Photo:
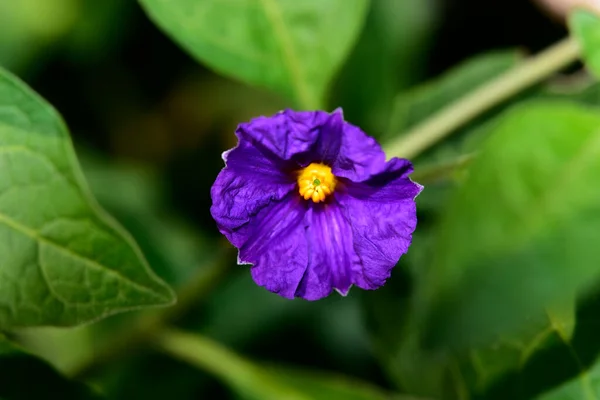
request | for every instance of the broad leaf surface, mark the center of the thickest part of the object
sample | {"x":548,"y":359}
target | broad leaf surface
{"x":507,"y":282}
{"x":520,"y":232}
{"x":63,"y":261}
{"x":292,"y":47}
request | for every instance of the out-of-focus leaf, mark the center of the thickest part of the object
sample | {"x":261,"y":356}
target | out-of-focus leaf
{"x":519,"y":233}
{"x":396,"y":339}
{"x":24,"y":377}
{"x":61,"y":347}
{"x":585,"y":26}
{"x":504,"y":363}
{"x":64,"y":261}
{"x":416,"y":105}
{"x":322,"y":385}
{"x":584,"y":386}
{"x":292,"y":47}
{"x":29,"y":27}
{"x":510,"y":367}
{"x":514,"y":248}
{"x":252,"y":381}
{"x":387,"y":58}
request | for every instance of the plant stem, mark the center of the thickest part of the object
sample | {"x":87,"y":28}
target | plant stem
{"x":439,"y":172}
{"x":133,"y":337}
{"x":446,"y":121}
{"x":238,"y":373}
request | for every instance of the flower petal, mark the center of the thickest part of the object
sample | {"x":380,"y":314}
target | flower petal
{"x":382,"y":213}
{"x":331,"y":257}
{"x":329,"y":141}
{"x":248,"y":183}
{"x":285,"y":134}
{"x":360,"y":156}
{"x":275,"y":243}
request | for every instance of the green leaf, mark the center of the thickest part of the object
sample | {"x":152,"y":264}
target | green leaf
{"x":63,"y":261}
{"x":322,"y":385}
{"x":518,"y":235}
{"x":550,"y":350}
{"x":585,"y":26}
{"x":586,"y":385}
{"x":26,"y":377}
{"x":510,"y":367}
{"x":505,"y":314}
{"x":292,"y":47}
{"x":415,"y":105}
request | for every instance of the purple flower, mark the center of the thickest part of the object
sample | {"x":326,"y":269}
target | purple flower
{"x":310,"y":201}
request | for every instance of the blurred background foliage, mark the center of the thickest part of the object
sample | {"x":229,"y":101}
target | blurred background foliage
{"x":150,"y":122}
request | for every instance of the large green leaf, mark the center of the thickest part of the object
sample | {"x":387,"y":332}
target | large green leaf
{"x":515,"y":247}
{"x":292,"y":47}
{"x":520,"y":233}
{"x":63,"y":261}
{"x":511,"y":367}
{"x":24,"y":377}
{"x":585,"y":26}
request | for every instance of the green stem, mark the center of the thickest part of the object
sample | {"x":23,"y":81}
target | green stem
{"x":133,"y":337}
{"x":498,"y":90}
{"x":438,"y":172}
{"x":208,"y":355}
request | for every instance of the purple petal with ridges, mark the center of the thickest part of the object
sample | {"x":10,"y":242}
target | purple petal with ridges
{"x":328,"y":144}
{"x":331,"y":257}
{"x":360,"y":156}
{"x":249,"y":182}
{"x":382,"y":213}
{"x":285,"y":134}
{"x":276,"y":246}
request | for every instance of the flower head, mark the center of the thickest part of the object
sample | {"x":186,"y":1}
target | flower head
{"x":310,"y":201}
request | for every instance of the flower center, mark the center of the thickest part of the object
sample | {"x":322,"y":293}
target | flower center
{"x":316,"y":182}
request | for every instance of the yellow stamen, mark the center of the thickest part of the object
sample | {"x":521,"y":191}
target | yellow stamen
{"x":316,"y":182}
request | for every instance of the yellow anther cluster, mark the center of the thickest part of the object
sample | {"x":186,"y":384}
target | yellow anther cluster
{"x":316,"y":182}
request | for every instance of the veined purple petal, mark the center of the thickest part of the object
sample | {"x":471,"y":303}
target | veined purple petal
{"x":360,"y":156}
{"x":275,"y":243}
{"x":285,"y":134}
{"x":382,"y":213}
{"x":249,"y":182}
{"x":329,"y":141}
{"x":331,"y":257}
